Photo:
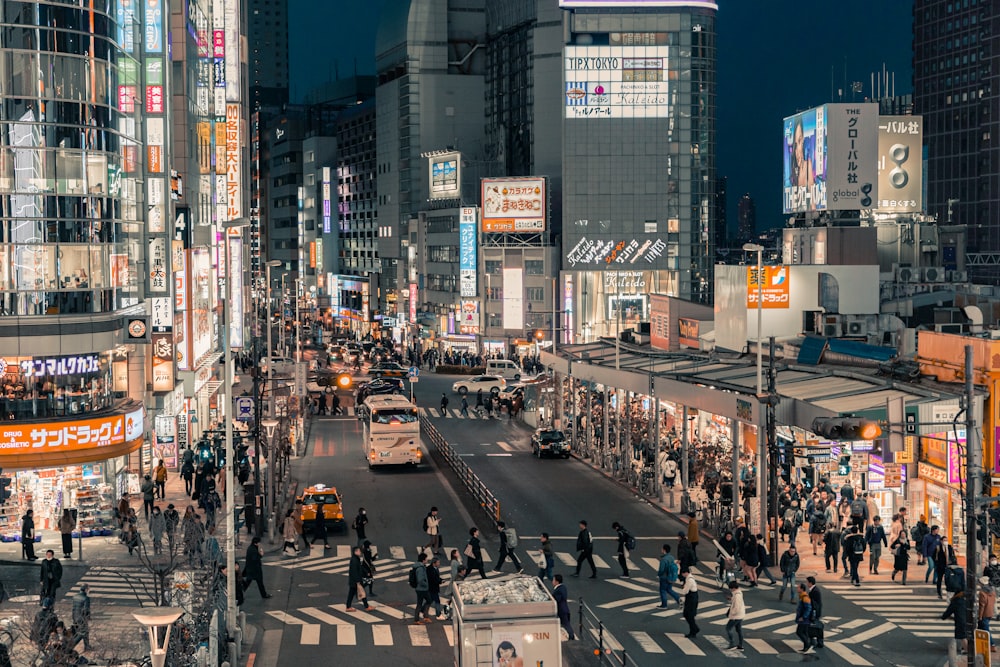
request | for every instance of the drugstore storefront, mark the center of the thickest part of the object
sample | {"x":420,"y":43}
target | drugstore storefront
{"x":77,"y":464}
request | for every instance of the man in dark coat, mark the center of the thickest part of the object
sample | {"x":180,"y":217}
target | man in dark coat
{"x":355,"y":575}
{"x":51,"y":575}
{"x":562,"y":605}
{"x":816,"y":599}
{"x":28,"y":535}
{"x":254,"y":568}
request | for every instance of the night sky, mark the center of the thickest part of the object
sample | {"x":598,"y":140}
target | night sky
{"x":775,"y":58}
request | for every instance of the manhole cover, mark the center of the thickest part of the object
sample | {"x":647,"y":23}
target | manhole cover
{"x":318,"y":595}
{"x":308,"y":585}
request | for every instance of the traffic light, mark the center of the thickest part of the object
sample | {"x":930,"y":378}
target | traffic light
{"x":846,"y":428}
{"x":539,"y":334}
{"x":344,"y":380}
{"x":844,"y":465}
{"x":982,"y":531}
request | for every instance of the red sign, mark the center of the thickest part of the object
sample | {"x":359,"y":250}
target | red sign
{"x":154,"y":99}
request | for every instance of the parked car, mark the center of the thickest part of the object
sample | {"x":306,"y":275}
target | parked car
{"x":376,"y":387}
{"x":387,"y":369}
{"x":490,"y":383}
{"x":550,"y":442}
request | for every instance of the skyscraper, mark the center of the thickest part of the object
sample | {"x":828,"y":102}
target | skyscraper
{"x":268,"y":37}
{"x":956,"y":57}
{"x":746,"y":216}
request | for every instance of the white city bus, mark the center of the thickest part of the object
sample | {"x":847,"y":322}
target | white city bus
{"x":392,"y":431}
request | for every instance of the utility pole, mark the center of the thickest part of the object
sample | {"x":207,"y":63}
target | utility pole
{"x":772,"y":451}
{"x":974,"y":467}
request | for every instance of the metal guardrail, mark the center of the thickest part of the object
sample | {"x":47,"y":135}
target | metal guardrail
{"x":489,"y":502}
{"x":607,"y":649}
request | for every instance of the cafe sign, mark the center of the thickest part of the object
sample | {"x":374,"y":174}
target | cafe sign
{"x":49,"y":366}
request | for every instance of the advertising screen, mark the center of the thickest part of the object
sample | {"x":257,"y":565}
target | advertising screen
{"x":617,"y":81}
{"x":235,"y":282}
{"x":445,"y":174}
{"x":202,"y":285}
{"x":830,"y":158}
{"x":513,"y":298}
{"x":514,"y":205}
{"x":900,"y":164}
{"x":468,"y":235}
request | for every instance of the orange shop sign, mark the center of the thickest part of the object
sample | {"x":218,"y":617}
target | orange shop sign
{"x":66,"y":436}
{"x":774,"y":291}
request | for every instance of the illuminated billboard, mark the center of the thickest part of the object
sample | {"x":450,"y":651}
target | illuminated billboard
{"x":774,"y":290}
{"x":583,"y":4}
{"x":468,"y":237}
{"x":830,"y":158}
{"x":625,"y":81}
{"x":445,"y":176}
{"x":234,"y":167}
{"x":514,"y":205}
{"x":235,"y":282}
{"x":201,"y":287}
{"x":513,"y":298}
{"x":900,"y":164}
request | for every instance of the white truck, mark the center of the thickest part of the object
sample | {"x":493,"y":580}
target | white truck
{"x":507,"y":621}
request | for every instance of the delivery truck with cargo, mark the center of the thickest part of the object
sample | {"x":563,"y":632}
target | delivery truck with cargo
{"x":505,"y":621}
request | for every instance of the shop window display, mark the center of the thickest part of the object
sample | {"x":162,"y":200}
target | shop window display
{"x":38,"y":388}
{"x":49,"y":491}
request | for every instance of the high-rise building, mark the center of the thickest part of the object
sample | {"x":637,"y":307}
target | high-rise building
{"x":956,"y":57}
{"x":268,"y":37}
{"x":721,"y":216}
{"x":638,"y":174}
{"x":746,"y":216}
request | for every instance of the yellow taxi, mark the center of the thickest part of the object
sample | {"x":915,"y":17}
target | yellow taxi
{"x":333,"y":510}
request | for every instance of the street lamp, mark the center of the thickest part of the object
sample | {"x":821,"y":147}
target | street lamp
{"x":227,"y":385}
{"x":270,"y":427}
{"x":157,"y":621}
{"x":759,"y":249}
{"x":270,"y":352}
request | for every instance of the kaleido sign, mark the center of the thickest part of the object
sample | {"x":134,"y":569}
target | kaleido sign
{"x":590,"y":252}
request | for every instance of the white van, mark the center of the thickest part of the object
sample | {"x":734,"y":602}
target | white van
{"x":505,"y":368}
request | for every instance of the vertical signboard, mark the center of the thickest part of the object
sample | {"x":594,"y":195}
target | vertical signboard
{"x":165,"y":445}
{"x":182,"y":341}
{"x":513,"y":298}
{"x":327,"y":206}
{"x":468,"y":235}
{"x":157,"y":261}
{"x":900,"y":164}
{"x":413,"y":303}
{"x":235,"y":282}
{"x":162,"y":324}
{"x":152,"y":25}
{"x":232,"y":16}
{"x":234,"y":168}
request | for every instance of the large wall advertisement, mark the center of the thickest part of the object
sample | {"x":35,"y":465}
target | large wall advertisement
{"x":468,"y":237}
{"x":234,"y":167}
{"x":626,"y":80}
{"x":235,"y":282}
{"x":900,"y":164}
{"x":446,"y":176}
{"x":830,"y":158}
{"x":200,"y":278}
{"x":514,"y":205}
{"x":513,"y":298}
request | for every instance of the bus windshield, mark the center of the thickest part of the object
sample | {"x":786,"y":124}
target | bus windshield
{"x":392,"y":416}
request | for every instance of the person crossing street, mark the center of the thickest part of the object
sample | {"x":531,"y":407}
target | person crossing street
{"x":690,"y":593}
{"x":789,"y":565}
{"x":876,"y":539}
{"x":855,"y":553}
{"x":585,"y":551}
{"x":444,"y":404}
{"x":737,"y":612}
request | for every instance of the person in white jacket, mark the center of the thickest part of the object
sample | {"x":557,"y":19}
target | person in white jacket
{"x":737,"y":612}
{"x":690,"y":593}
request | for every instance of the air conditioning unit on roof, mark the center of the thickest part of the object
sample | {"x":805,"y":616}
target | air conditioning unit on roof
{"x":933,"y":274}
{"x":958,"y":276}
{"x":906,"y":274}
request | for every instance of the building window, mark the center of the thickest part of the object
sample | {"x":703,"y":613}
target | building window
{"x":494,"y":293}
{"x":494,"y":266}
{"x":536,"y":294}
{"x":534,"y":267}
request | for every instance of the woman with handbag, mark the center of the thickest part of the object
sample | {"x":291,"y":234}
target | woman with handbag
{"x":474,"y":554}
{"x":368,"y":568}
{"x":354,"y":577}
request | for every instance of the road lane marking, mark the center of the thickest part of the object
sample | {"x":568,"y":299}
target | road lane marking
{"x":449,"y":632}
{"x":625,"y":583}
{"x":499,"y":454}
{"x":505,"y":446}
{"x":609,"y":641}
{"x":761,"y":646}
{"x":626,"y":601}
{"x":722,"y":643}
{"x":646,"y":643}
{"x":873,"y":632}
{"x":850,"y":625}
{"x":397,"y":552}
{"x":847,"y":654}
{"x":320,"y":615}
{"x":687,"y":646}
{"x":755,"y":614}
{"x":310,"y":634}
{"x":343,"y":551}
{"x":347,"y":635}
{"x":418,"y":635}
{"x":287,"y":619}
{"x":382,"y":635}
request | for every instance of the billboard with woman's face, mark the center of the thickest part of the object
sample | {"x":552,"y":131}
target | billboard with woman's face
{"x":804,"y":160}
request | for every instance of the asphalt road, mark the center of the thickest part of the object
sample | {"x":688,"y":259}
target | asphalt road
{"x":873,"y":625}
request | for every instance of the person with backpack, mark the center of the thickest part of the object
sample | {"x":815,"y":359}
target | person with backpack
{"x":927,"y":548}
{"x":585,"y":550}
{"x":667,"y":573}
{"x":508,"y":541}
{"x":419,"y":583}
{"x":943,"y":556}
{"x":875,"y":538}
{"x":859,"y":512}
{"x":956,"y":610}
{"x":831,"y":548}
{"x":919,"y":531}
{"x":793,"y":521}
{"x":803,"y":617}
{"x":847,"y":492}
{"x":763,"y":560}
{"x":855,"y":553}
{"x":817,"y":525}
{"x":432,"y":526}
{"x":360,"y":521}
{"x":624,"y":539}
{"x":789,"y":565}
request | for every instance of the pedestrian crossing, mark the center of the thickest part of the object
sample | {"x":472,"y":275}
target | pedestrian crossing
{"x":379,"y":625}
{"x":393,"y":565}
{"x":125,"y":585}
{"x":914,"y":608}
{"x":350,"y":412}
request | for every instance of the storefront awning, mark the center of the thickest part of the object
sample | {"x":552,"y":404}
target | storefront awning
{"x":34,"y":460}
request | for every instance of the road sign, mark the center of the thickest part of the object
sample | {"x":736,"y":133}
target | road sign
{"x":983,"y":647}
{"x":414,"y":372}
{"x":244,"y":408}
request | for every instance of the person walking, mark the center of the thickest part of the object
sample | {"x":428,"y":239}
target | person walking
{"x":368,"y":568}
{"x":254,"y":568}
{"x":917,"y":534}
{"x":944,"y":555}
{"x":432,"y":526}
{"x":693,"y":533}
{"x":831,"y":548}
{"x":927,"y":548}
{"x":355,"y":577}
{"x":685,"y":551}
{"x":28,"y":536}
{"x":289,"y":534}
{"x":193,"y":534}
{"x":300,"y":526}
{"x":81,"y":617}
{"x":474,"y":554}
{"x":750,"y":558}
{"x":667,"y":572}
{"x":763,"y":560}
{"x":585,"y":550}
{"x":50,"y":576}
{"x":900,"y":557}
{"x":465,"y":407}
{"x":803,"y":618}
{"x":434,"y":586}
{"x":956,"y":610}
{"x":160,"y":479}
{"x":319,"y":525}
{"x":187,"y":474}
{"x":419,"y":582}
{"x":444,"y":404}
{"x":548,"y":558}
{"x":855,"y":552}
{"x":508,"y":540}
{"x":67,"y":524}
{"x":360,"y":522}
{"x":157,"y":529}
{"x":789,"y":565}
{"x":816,"y":599}
{"x":737,"y":612}
{"x":622,"y":534}
{"x":875,"y":538}
{"x":690,"y":592}
{"x":148,"y":496}
{"x":562,"y":605}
